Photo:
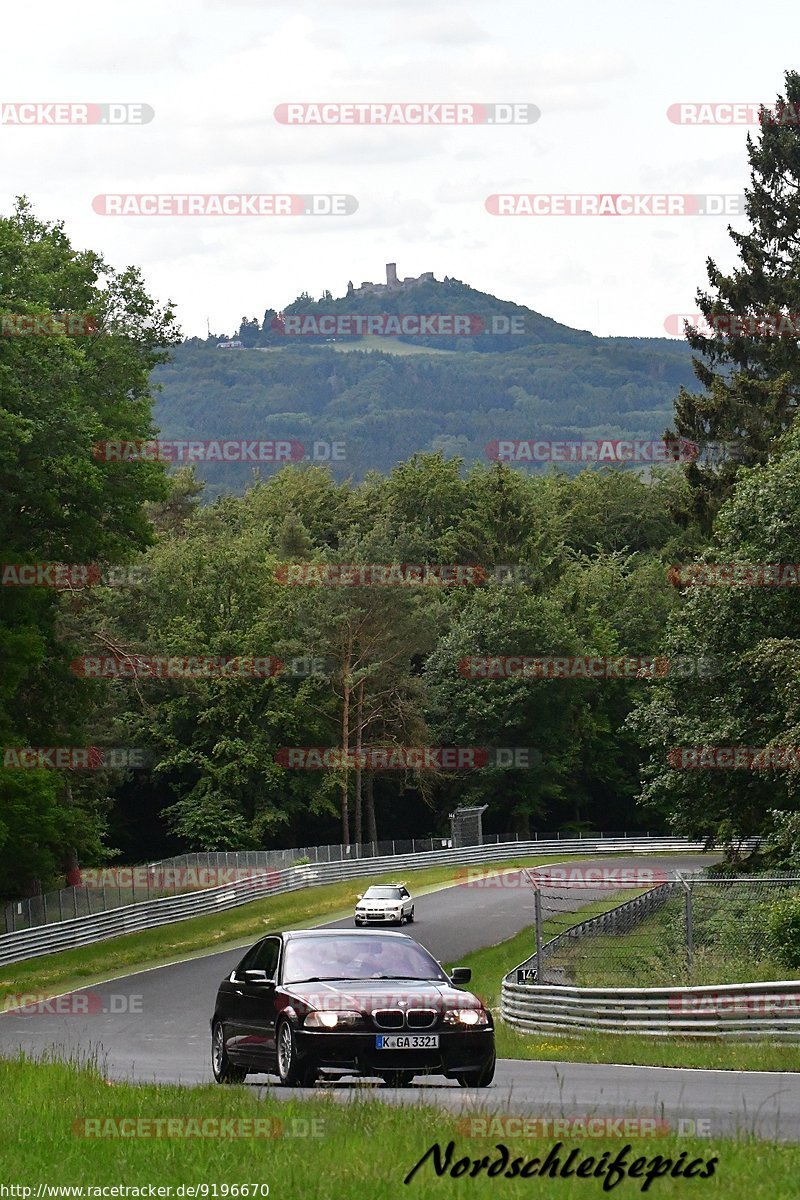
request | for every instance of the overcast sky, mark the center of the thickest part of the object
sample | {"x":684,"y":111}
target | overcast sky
{"x":603,"y":76}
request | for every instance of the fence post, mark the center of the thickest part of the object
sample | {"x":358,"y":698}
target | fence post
{"x":537,"y":908}
{"x":689,"y":933}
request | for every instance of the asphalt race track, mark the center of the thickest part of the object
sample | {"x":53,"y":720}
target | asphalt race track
{"x":154,"y":1026}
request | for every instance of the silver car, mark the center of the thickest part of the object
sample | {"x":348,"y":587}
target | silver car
{"x":385,"y":904}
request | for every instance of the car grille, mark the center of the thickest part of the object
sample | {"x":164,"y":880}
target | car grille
{"x":421,"y":1018}
{"x":388,"y":1018}
{"x":415,"y":1018}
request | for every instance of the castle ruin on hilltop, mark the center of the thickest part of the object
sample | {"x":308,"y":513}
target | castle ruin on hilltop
{"x":393,"y":284}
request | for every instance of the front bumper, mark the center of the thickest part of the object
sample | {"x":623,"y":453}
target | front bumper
{"x":378,"y":918}
{"x":459,"y":1050}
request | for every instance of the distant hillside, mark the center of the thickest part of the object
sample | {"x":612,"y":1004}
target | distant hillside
{"x":549,"y":382}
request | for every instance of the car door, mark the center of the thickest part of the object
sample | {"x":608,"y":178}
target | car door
{"x":232,"y":1011}
{"x":257,"y":1005}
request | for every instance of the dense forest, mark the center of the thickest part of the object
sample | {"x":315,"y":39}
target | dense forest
{"x":387,"y":406}
{"x":218,"y":637}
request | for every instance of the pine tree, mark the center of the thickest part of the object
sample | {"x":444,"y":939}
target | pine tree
{"x":749,"y":367}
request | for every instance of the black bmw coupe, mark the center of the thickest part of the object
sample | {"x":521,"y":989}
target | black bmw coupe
{"x":335,"y":1002}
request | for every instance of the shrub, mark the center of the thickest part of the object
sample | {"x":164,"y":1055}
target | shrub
{"x":783,"y":930}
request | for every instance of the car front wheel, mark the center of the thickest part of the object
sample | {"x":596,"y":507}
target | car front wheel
{"x":222,"y":1067}
{"x":480,"y":1078}
{"x":293,"y":1071}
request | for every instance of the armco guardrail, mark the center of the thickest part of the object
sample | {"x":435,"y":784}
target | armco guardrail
{"x":66,"y":935}
{"x":743,"y":1012}
{"x":185,"y":872}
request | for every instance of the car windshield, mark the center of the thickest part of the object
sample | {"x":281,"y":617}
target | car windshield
{"x":382,"y":893}
{"x":357,"y":956}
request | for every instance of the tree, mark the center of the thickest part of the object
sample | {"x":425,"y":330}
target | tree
{"x":748,"y":637}
{"x":750,"y":372}
{"x":60,"y":395}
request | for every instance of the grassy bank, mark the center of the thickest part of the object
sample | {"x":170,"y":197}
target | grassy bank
{"x":729,"y":947}
{"x":322,"y":1150}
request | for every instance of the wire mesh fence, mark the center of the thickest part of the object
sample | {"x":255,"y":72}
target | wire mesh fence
{"x":110,"y":887}
{"x":105,"y":888}
{"x":656,"y":929}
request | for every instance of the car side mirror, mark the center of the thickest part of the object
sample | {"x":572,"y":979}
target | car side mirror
{"x":360,"y":896}
{"x":260,"y":978}
{"x":461,"y":974}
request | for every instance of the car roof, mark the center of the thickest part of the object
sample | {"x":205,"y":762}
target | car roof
{"x":332,"y":933}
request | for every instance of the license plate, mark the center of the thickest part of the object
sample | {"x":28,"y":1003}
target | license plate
{"x":407,"y":1041}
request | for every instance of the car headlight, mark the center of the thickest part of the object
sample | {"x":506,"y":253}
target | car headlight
{"x":466,"y":1016}
{"x":332,"y":1020}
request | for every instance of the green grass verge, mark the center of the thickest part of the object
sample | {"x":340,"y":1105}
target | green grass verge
{"x":490,"y":965}
{"x":361,"y":1151}
{"x":729,"y":947}
{"x":218,"y":931}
